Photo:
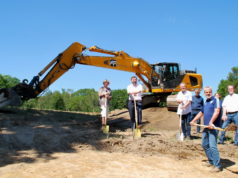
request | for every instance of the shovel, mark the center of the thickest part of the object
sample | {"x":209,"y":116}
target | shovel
{"x":106,"y":127}
{"x":180,"y":135}
{"x":216,"y":128}
{"x":136,"y":131}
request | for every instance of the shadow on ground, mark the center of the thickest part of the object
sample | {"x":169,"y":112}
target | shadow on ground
{"x":46,"y":132}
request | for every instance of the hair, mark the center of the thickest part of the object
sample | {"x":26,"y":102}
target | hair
{"x":105,"y":81}
{"x":230,"y":86}
{"x":207,"y":87}
{"x":182,"y":84}
{"x":197,"y":89}
{"x":133,"y":77}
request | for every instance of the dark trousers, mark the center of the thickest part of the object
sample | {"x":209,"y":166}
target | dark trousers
{"x":132,"y":111}
{"x":186,"y":127}
{"x":194,"y":113}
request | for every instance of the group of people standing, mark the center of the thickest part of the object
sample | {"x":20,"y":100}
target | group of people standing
{"x":134,"y":91}
{"x":214,"y":112}
{"x":192,"y":109}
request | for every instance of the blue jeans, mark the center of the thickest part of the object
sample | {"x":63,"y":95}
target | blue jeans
{"x":186,"y":127}
{"x":132,"y":112}
{"x":209,"y":144}
{"x":230,"y":118}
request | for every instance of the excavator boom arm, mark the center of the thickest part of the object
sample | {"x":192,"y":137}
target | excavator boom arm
{"x":74,"y":54}
{"x":118,"y":60}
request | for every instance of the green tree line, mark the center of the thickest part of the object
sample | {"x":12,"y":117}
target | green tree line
{"x":85,"y":100}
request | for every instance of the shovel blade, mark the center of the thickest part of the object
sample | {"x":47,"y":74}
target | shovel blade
{"x":137,"y":133}
{"x":180,"y":136}
{"x":105,"y":129}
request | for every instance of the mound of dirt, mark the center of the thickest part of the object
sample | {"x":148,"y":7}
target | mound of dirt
{"x":65,"y":144}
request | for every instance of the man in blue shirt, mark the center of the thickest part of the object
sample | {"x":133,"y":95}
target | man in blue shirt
{"x":210,"y":112}
{"x":197,"y":105}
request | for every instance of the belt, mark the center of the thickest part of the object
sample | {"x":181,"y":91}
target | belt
{"x":232,"y":112}
{"x":135,"y":100}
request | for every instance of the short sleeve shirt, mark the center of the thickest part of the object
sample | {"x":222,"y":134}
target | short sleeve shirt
{"x":133,"y":89}
{"x":197,"y":103}
{"x":185,"y":97}
{"x":230,"y":102}
{"x":208,"y":110}
{"x":102,"y":100}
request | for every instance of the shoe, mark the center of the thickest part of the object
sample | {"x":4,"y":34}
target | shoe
{"x":139,"y":126}
{"x":188,"y":138}
{"x":216,"y":169}
{"x":235,"y":144}
{"x":220,"y":143}
{"x":207,"y":164}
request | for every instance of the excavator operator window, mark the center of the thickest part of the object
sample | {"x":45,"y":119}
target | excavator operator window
{"x":171,"y":72}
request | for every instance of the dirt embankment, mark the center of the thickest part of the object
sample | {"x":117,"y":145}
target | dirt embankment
{"x":61,"y":144}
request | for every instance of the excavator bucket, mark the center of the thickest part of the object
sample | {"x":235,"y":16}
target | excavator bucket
{"x":172,"y":104}
{"x":8,"y":97}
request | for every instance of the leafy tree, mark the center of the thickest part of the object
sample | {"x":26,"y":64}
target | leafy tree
{"x":88,"y":100}
{"x":232,"y":79}
{"x":55,"y":101}
{"x":119,"y":98}
{"x":32,"y":103}
{"x":6,"y":81}
{"x":85,"y":100}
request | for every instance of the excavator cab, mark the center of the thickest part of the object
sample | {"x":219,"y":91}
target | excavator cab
{"x":169,"y":75}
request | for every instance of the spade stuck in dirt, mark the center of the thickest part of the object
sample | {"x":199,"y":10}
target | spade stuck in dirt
{"x":105,"y":129}
{"x":180,"y":136}
{"x":136,"y":130}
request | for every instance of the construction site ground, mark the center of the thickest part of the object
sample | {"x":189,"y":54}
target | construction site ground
{"x":36,"y":143}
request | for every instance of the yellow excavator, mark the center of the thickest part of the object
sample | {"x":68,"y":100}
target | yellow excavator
{"x":160,"y":80}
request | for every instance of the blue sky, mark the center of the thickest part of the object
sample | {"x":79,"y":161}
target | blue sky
{"x":197,"y":34}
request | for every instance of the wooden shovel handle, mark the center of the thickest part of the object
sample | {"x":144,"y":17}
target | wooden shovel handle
{"x":206,"y":126}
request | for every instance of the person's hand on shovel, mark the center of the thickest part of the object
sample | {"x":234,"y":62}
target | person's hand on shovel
{"x":224,"y":117}
{"x":192,"y":123}
{"x":211,"y":125}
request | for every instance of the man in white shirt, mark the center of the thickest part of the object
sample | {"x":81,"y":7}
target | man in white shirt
{"x":184,"y":98}
{"x":134,"y":90}
{"x":230,"y":113}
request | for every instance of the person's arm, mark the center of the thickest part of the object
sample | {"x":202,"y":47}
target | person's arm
{"x":224,"y":116}
{"x":202,"y":102}
{"x":109,"y":95}
{"x":128,"y":90}
{"x":178,"y":98}
{"x":214,"y":117}
{"x":134,"y":93}
{"x":186,"y":105}
{"x":188,"y":102}
{"x":100,"y":93}
{"x":197,"y":117}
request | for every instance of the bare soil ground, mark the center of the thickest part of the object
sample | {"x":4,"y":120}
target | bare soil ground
{"x":69,"y":145}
